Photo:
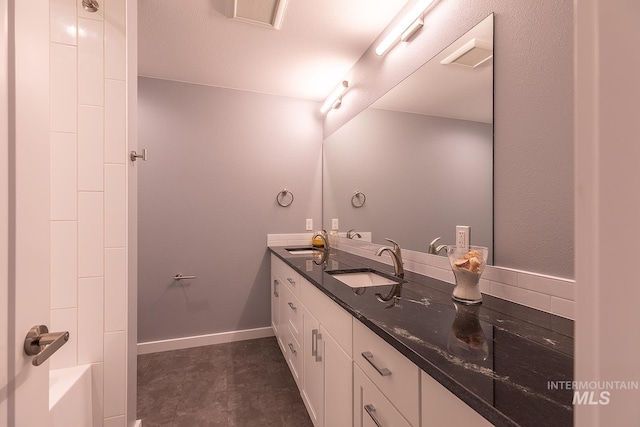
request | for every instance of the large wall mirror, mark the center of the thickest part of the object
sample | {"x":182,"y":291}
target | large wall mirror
{"x":422,"y":154}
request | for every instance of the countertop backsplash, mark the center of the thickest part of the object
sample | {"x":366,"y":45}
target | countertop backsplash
{"x":550,"y":294}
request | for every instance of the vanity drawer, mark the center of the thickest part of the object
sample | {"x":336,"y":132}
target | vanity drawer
{"x":293,"y":312}
{"x":370,"y":407}
{"x":333,"y":317}
{"x":293,"y":356}
{"x":288,"y":275}
{"x":390,"y":371}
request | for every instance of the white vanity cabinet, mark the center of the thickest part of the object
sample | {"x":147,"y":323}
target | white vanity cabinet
{"x":391,"y":373}
{"x":440,"y":407}
{"x":327,"y":390}
{"x":316,"y":337}
{"x":276,"y":323}
{"x":371,"y":407}
{"x":346,"y":373}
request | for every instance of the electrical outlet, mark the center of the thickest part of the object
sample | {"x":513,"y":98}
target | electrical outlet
{"x":463,"y":233}
{"x":334,"y":224}
{"x":309,"y":225}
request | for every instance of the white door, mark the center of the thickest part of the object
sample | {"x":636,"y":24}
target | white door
{"x":24,"y":198}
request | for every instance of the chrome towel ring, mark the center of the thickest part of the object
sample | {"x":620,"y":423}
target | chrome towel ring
{"x":358,"y":199}
{"x":284,"y":198}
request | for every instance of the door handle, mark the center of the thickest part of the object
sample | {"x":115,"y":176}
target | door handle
{"x":135,"y":156}
{"x":41,"y":343}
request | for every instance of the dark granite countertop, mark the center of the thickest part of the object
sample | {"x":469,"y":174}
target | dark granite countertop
{"x":498,"y":357}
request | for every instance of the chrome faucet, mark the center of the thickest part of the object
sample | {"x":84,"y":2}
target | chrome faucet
{"x":322,"y":235}
{"x":396,"y":257}
{"x":352,"y":233}
{"x":435,"y":250}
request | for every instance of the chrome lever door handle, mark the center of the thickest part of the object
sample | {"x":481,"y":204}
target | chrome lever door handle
{"x":41,"y":343}
{"x":135,"y":156}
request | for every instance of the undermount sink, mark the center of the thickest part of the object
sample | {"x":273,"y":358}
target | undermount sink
{"x":363,"y":277}
{"x":302,"y":251}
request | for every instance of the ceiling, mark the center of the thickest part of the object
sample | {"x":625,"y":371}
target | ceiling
{"x":319,"y":41}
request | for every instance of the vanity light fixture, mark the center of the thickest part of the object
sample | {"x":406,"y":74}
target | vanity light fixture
{"x":407,"y":26}
{"x":335,"y":99}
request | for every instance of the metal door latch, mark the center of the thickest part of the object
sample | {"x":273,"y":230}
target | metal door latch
{"x":41,"y":343}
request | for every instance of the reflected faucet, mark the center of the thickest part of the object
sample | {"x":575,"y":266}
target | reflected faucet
{"x":435,"y":250}
{"x":352,"y":234}
{"x":396,"y":257}
{"x":393,"y":296}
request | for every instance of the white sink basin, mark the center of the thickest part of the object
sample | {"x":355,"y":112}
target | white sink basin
{"x":362,"y":278}
{"x":302,"y":251}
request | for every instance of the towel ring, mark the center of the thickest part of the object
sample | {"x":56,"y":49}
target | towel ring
{"x":358,"y":199}
{"x":282,"y":196}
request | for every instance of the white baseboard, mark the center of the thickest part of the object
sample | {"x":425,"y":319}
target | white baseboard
{"x":138,"y":423}
{"x":201,"y":340}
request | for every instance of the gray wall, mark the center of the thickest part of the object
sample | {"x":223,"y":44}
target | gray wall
{"x":533,"y":118}
{"x":422,"y":176}
{"x":217,"y":159}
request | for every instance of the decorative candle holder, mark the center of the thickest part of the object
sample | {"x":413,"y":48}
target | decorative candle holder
{"x":467,"y":267}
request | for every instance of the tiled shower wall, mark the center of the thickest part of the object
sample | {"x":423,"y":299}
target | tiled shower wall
{"x":88,"y":196}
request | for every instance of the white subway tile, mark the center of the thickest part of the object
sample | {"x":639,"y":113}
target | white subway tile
{"x":115,"y":121}
{"x":563,"y":307}
{"x":115,"y":39}
{"x":114,"y":422}
{"x":442,"y":274}
{"x":90,"y":234}
{"x":65,"y":320}
{"x":63,"y":91}
{"x":63,"y":176}
{"x":90,"y":62}
{"x":440,"y":262}
{"x":485,"y":286}
{"x":62,"y":21}
{"x":97,"y":393}
{"x":114,"y":373}
{"x":115,"y":297}
{"x":90,"y":148}
{"x":115,"y":213}
{"x":502,"y":275}
{"x":64,"y":264}
{"x":546,"y":285}
{"x":97,"y":15}
{"x":90,"y":320}
{"x":521,"y":296}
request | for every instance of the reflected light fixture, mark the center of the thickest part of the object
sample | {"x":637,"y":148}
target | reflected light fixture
{"x":335,"y":99}
{"x":407,"y":27}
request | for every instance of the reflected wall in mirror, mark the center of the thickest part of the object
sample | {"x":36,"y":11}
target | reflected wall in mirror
{"x":422,"y":154}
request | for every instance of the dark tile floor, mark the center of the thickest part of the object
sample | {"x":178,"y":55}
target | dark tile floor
{"x":244,"y":384}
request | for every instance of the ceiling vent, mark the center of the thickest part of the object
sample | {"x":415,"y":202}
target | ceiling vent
{"x":266,"y":13}
{"x":471,"y":54}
